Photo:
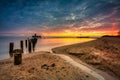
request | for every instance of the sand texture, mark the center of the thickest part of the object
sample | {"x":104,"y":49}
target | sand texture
{"x":41,"y":66}
{"x":102,"y":53}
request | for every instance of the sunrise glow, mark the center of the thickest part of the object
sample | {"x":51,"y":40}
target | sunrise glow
{"x":60,"y":18}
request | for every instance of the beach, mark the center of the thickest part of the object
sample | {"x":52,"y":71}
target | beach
{"x":68,"y":62}
{"x":42,"y":66}
{"x":59,"y":39}
{"x":102,"y":53}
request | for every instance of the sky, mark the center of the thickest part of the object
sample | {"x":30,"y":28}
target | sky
{"x":59,"y":17}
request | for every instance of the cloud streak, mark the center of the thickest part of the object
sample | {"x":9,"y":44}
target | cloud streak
{"x":44,"y":16}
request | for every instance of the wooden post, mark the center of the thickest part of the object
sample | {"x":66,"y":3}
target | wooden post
{"x":11,"y":47}
{"x":26,"y":43}
{"x":17,"y":56}
{"x":21,"y":46}
{"x":29,"y":46}
{"x":34,"y":42}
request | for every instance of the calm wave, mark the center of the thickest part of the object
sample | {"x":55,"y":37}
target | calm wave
{"x":42,"y":44}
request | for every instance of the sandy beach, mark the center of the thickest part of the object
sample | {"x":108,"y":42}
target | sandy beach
{"x":68,"y":63}
{"x":102,"y":53}
{"x":42,"y":66}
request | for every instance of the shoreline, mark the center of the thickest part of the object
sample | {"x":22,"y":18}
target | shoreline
{"x":99,"y":53}
{"x":59,"y":51}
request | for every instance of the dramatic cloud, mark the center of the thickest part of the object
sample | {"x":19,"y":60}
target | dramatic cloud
{"x":48,"y":16}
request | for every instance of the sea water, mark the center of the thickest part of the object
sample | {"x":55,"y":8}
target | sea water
{"x":42,"y":44}
{"x":4,"y":45}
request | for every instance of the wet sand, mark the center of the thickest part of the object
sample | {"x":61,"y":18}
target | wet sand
{"x":102,"y":53}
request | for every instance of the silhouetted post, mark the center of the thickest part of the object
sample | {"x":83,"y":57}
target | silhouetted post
{"x":26,"y":43}
{"x":34,"y":36}
{"x":21,"y":46}
{"x":17,"y":56}
{"x":11,"y":47}
{"x":34,"y":42}
{"x":29,"y":46}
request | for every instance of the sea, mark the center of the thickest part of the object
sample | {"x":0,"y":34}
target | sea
{"x":43,"y":44}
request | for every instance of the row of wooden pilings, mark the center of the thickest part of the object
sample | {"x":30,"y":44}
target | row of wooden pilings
{"x":17,"y":53}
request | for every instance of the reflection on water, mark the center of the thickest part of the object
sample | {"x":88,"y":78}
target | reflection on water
{"x":47,"y":44}
{"x":4,"y":45}
{"x":42,"y":44}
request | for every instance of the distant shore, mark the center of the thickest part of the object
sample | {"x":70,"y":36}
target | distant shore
{"x":102,"y":53}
